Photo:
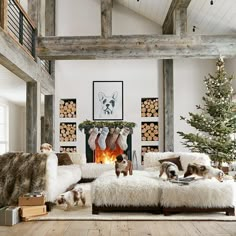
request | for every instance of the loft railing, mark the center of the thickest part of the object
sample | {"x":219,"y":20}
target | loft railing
{"x":20,"y":27}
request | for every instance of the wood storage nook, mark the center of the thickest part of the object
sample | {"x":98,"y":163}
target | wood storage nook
{"x":67,"y":132}
{"x":151,"y":148}
{"x":149,"y":131}
{"x":149,"y":107}
{"x":67,"y":108}
{"x":68,"y":149}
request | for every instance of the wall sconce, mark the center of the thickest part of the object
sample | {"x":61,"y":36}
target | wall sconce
{"x":211,"y":2}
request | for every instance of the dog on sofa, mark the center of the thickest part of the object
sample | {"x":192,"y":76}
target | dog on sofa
{"x":123,"y":165}
{"x":204,"y":171}
{"x":71,"y":198}
{"x":46,"y":148}
{"x":170,"y":169}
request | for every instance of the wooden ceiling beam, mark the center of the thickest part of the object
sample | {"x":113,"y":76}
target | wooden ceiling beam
{"x":15,"y":59}
{"x":136,"y":46}
{"x":106,"y":18}
{"x":168,"y":25}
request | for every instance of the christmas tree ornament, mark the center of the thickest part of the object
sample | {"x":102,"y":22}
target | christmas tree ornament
{"x":122,"y":139}
{"x":102,"y":138}
{"x":92,"y":138}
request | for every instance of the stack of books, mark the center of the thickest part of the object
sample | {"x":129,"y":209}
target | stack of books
{"x":31,"y":205}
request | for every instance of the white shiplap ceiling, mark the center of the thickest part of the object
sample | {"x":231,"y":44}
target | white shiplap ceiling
{"x":219,"y":18}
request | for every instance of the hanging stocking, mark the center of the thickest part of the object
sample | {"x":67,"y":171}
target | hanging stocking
{"x":122,"y":139}
{"x":102,"y":138}
{"x":92,"y":138}
{"x":113,"y":138}
{"x":109,"y":137}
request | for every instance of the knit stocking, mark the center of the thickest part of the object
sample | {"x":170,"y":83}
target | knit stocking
{"x":92,"y":138}
{"x":102,"y":138}
{"x":122,"y":139}
{"x":113,"y":138}
{"x":109,"y":137}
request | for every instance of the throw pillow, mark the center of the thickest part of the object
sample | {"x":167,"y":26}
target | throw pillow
{"x":175,"y":160}
{"x":64,"y":159}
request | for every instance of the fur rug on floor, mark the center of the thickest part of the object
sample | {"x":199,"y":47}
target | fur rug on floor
{"x":85,"y":213}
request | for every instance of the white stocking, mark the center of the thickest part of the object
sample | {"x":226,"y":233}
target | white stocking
{"x":122,"y":139}
{"x":102,"y":138}
{"x":92,"y":138}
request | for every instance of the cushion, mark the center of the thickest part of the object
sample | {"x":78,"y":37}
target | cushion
{"x":78,"y":158}
{"x":175,"y":160}
{"x":64,"y":159}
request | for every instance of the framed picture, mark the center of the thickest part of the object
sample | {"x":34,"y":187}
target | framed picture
{"x":107,"y":100}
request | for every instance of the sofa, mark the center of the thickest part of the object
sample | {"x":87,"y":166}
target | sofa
{"x":145,"y":191}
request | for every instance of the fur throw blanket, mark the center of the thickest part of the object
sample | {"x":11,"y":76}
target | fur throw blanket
{"x":21,"y":173}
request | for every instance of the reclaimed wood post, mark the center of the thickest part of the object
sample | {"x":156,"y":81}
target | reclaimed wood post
{"x":106,"y":18}
{"x":3,"y":14}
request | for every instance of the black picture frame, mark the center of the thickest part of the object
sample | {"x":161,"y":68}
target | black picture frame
{"x":107,"y":100}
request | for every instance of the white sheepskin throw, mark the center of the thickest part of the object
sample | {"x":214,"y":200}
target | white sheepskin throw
{"x":202,"y":193}
{"x":139,"y":189}
{"x":151,"y":159}
{"x":77,"y":158}
{"x":193,"y":157}
{"x":94,"y":170}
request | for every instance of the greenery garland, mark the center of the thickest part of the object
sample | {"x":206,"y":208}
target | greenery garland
{"x":87,"y":125}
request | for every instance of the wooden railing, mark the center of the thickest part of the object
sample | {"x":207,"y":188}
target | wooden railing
{"x":15,"y":21}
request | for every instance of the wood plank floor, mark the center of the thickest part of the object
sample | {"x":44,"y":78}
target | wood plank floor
{"x":121,"y":228}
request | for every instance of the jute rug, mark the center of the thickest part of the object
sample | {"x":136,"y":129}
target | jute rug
{"x":85,"y":213}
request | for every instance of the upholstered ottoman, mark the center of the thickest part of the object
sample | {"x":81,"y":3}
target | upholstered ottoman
{"x":138,"y":192}
{"x":203,"y":195}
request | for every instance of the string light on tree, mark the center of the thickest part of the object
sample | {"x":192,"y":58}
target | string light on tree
{"x":216,"y":119}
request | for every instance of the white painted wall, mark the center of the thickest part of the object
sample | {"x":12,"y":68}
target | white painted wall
{"x":188,"y":91}
{"x":17,"y":125}
{"x":74,"y":79}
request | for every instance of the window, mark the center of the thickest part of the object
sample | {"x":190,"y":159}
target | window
{"x":3,"y":128}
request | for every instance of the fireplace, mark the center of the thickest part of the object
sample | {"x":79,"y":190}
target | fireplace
{"x":107,"y":156}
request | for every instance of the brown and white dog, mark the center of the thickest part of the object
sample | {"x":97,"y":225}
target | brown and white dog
{"x":71,"y":198}
{"x":170,"y":169}
{"x":46,"y":148}
{"x":123,"y":165}
{"x":204,"y":171}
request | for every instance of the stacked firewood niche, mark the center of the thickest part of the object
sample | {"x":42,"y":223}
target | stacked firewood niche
{"x":67,"y":129}
{"x":149,"y":125}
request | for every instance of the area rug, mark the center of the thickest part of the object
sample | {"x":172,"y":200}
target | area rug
{"x":85,"y":213}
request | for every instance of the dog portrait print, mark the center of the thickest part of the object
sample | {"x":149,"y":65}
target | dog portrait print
{"x":108,"y":100}
{"x":108,"y":103}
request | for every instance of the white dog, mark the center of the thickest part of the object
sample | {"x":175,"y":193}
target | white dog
{"x":108,"y":103}
{"x":170,"y":169}
{"x":71,"y":198}
{"x":46,"y":148}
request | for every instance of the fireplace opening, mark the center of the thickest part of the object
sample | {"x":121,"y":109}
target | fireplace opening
{"x":107,"y":155}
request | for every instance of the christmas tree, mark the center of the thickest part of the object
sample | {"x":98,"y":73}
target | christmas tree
{"x":215,"y":123}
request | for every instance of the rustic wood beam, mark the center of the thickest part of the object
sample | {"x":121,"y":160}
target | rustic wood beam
{"x":49,"y":112}
{"x":18,"y":61}
{"x":106,"y":18}
{"x":32,"y":111}
{"x":3,"y":14}
{"x":136,"y":46}
{"x":34,"y":8}
{"x":180,"y":21}
{"x":168,"y":98}
{"x":50,"y":15}
{"x":168,"y":25}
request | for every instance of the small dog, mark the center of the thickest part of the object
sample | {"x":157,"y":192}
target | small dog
{"x":71,"y":198}
{"x":204,"y":171}
{"x":123,"y":165}
{"x":46,"y":148}
{"x":170,"y":169}
{"x":108,"y":103}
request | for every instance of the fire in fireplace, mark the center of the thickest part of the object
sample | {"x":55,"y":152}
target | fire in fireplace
{"x":107,"y":155}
